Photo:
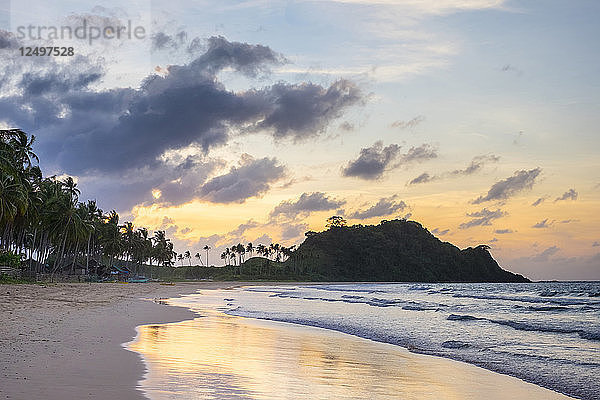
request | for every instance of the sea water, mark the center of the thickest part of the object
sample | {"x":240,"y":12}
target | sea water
{"x":544,"y":333}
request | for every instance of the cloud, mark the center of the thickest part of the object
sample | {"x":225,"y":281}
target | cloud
{"x":483,"y":217}
{"x":408,"y":124}
{"x":542,"y":224}
{"x":503,"y":231}
{"x":439,"y":232}
{"x":306,"y":204}
{"x":385,"y":206}
{"x":568,"y":221}
{"x":570,"y":194}
{"x":373,"y":161}
{"x":302,"y":111}
{"x":176,"y":182}
{"x":545,"y":254}
{"x":538,"y":202}
{"x":102,"y":134}
{"x":596,"y":244}
{"x":477,"y":164}
{"x":510,"y":186}
{"x":242,"y":228}
{"x":251,"y":178}
{"x":293,"y":231}
{"x":421,"y":153}
{"x":423,"y":178}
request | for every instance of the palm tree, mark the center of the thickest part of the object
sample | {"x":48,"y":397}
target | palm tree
{"x":250,"y":249}
{"x":199,"y":258}
{"x":42,"y":219}
{"x":188,"y":256}
{"x":180,"y":258}
{"x":207,"y":248}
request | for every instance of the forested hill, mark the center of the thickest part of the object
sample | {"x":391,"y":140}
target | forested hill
{"x":396,"y":250}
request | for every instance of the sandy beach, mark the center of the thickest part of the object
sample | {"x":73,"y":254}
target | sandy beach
{"x":64,"y":341}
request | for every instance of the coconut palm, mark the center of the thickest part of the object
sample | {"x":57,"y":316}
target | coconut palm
{"x":207,"y":248}
{"x":199,"y":258}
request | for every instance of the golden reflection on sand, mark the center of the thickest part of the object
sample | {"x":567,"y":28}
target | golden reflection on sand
{"x":219,"y":356}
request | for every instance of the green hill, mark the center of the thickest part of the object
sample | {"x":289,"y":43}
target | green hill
{"x":392,"y":251}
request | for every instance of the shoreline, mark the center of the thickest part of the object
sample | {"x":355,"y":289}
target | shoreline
{"x":437,"y":375}
{"x":74,"y":340}
{"x":66,"y":340}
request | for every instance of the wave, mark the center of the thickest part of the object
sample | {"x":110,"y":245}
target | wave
{"x":548,"y":308}
{"x":455,"y":344}
{"x":524,"y":326}
{"x":456,"y":317}
{"x":549,"y":299}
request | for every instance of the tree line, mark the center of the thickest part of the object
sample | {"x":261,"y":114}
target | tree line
{"x":43,"y":221}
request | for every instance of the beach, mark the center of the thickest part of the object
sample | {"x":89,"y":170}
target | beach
{"x":67,"y":341}
{"x":64,"y":341}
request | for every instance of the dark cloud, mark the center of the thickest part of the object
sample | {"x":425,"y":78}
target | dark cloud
{"x":570,"y":194}
{"x":483,"y":217}
{"x":503,"y":231}
{"x":510,"y":186}
{"x":185,"y":179}
{"x":178,"y":182}
{"x":477,"y":164}
{"x":596,"y":244}
{"x":423,"y":178}
{"x":373,"y":161}
{"x":568,"y":221}
{"x":251,"y":178}
{"x":385,"y":206}
{"x":408,"y":124}
{"x":439,"y":232}
{"x":306,"y":203}
{"x":542,"y":224}
{"x":302,"y":111}
{"x":98,"y":134}
{"x":538,"y":201}
{"x":246,"y":58}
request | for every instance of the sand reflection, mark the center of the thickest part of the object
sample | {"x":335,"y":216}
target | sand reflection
{"x":223,"y":357}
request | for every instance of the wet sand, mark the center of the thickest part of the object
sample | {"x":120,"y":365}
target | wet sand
{"x":218,"y":356}
{"x":64,"y":341}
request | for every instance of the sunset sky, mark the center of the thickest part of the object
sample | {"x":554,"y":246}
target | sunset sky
{"x":256,"y":120}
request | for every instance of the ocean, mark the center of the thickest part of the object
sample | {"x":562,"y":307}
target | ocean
{"x":543,"y":333}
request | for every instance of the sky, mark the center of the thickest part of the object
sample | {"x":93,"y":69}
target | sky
{"x":254,"y":121}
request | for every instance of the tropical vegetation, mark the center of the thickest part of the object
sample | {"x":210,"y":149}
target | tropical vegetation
{"x":45,"y":228}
